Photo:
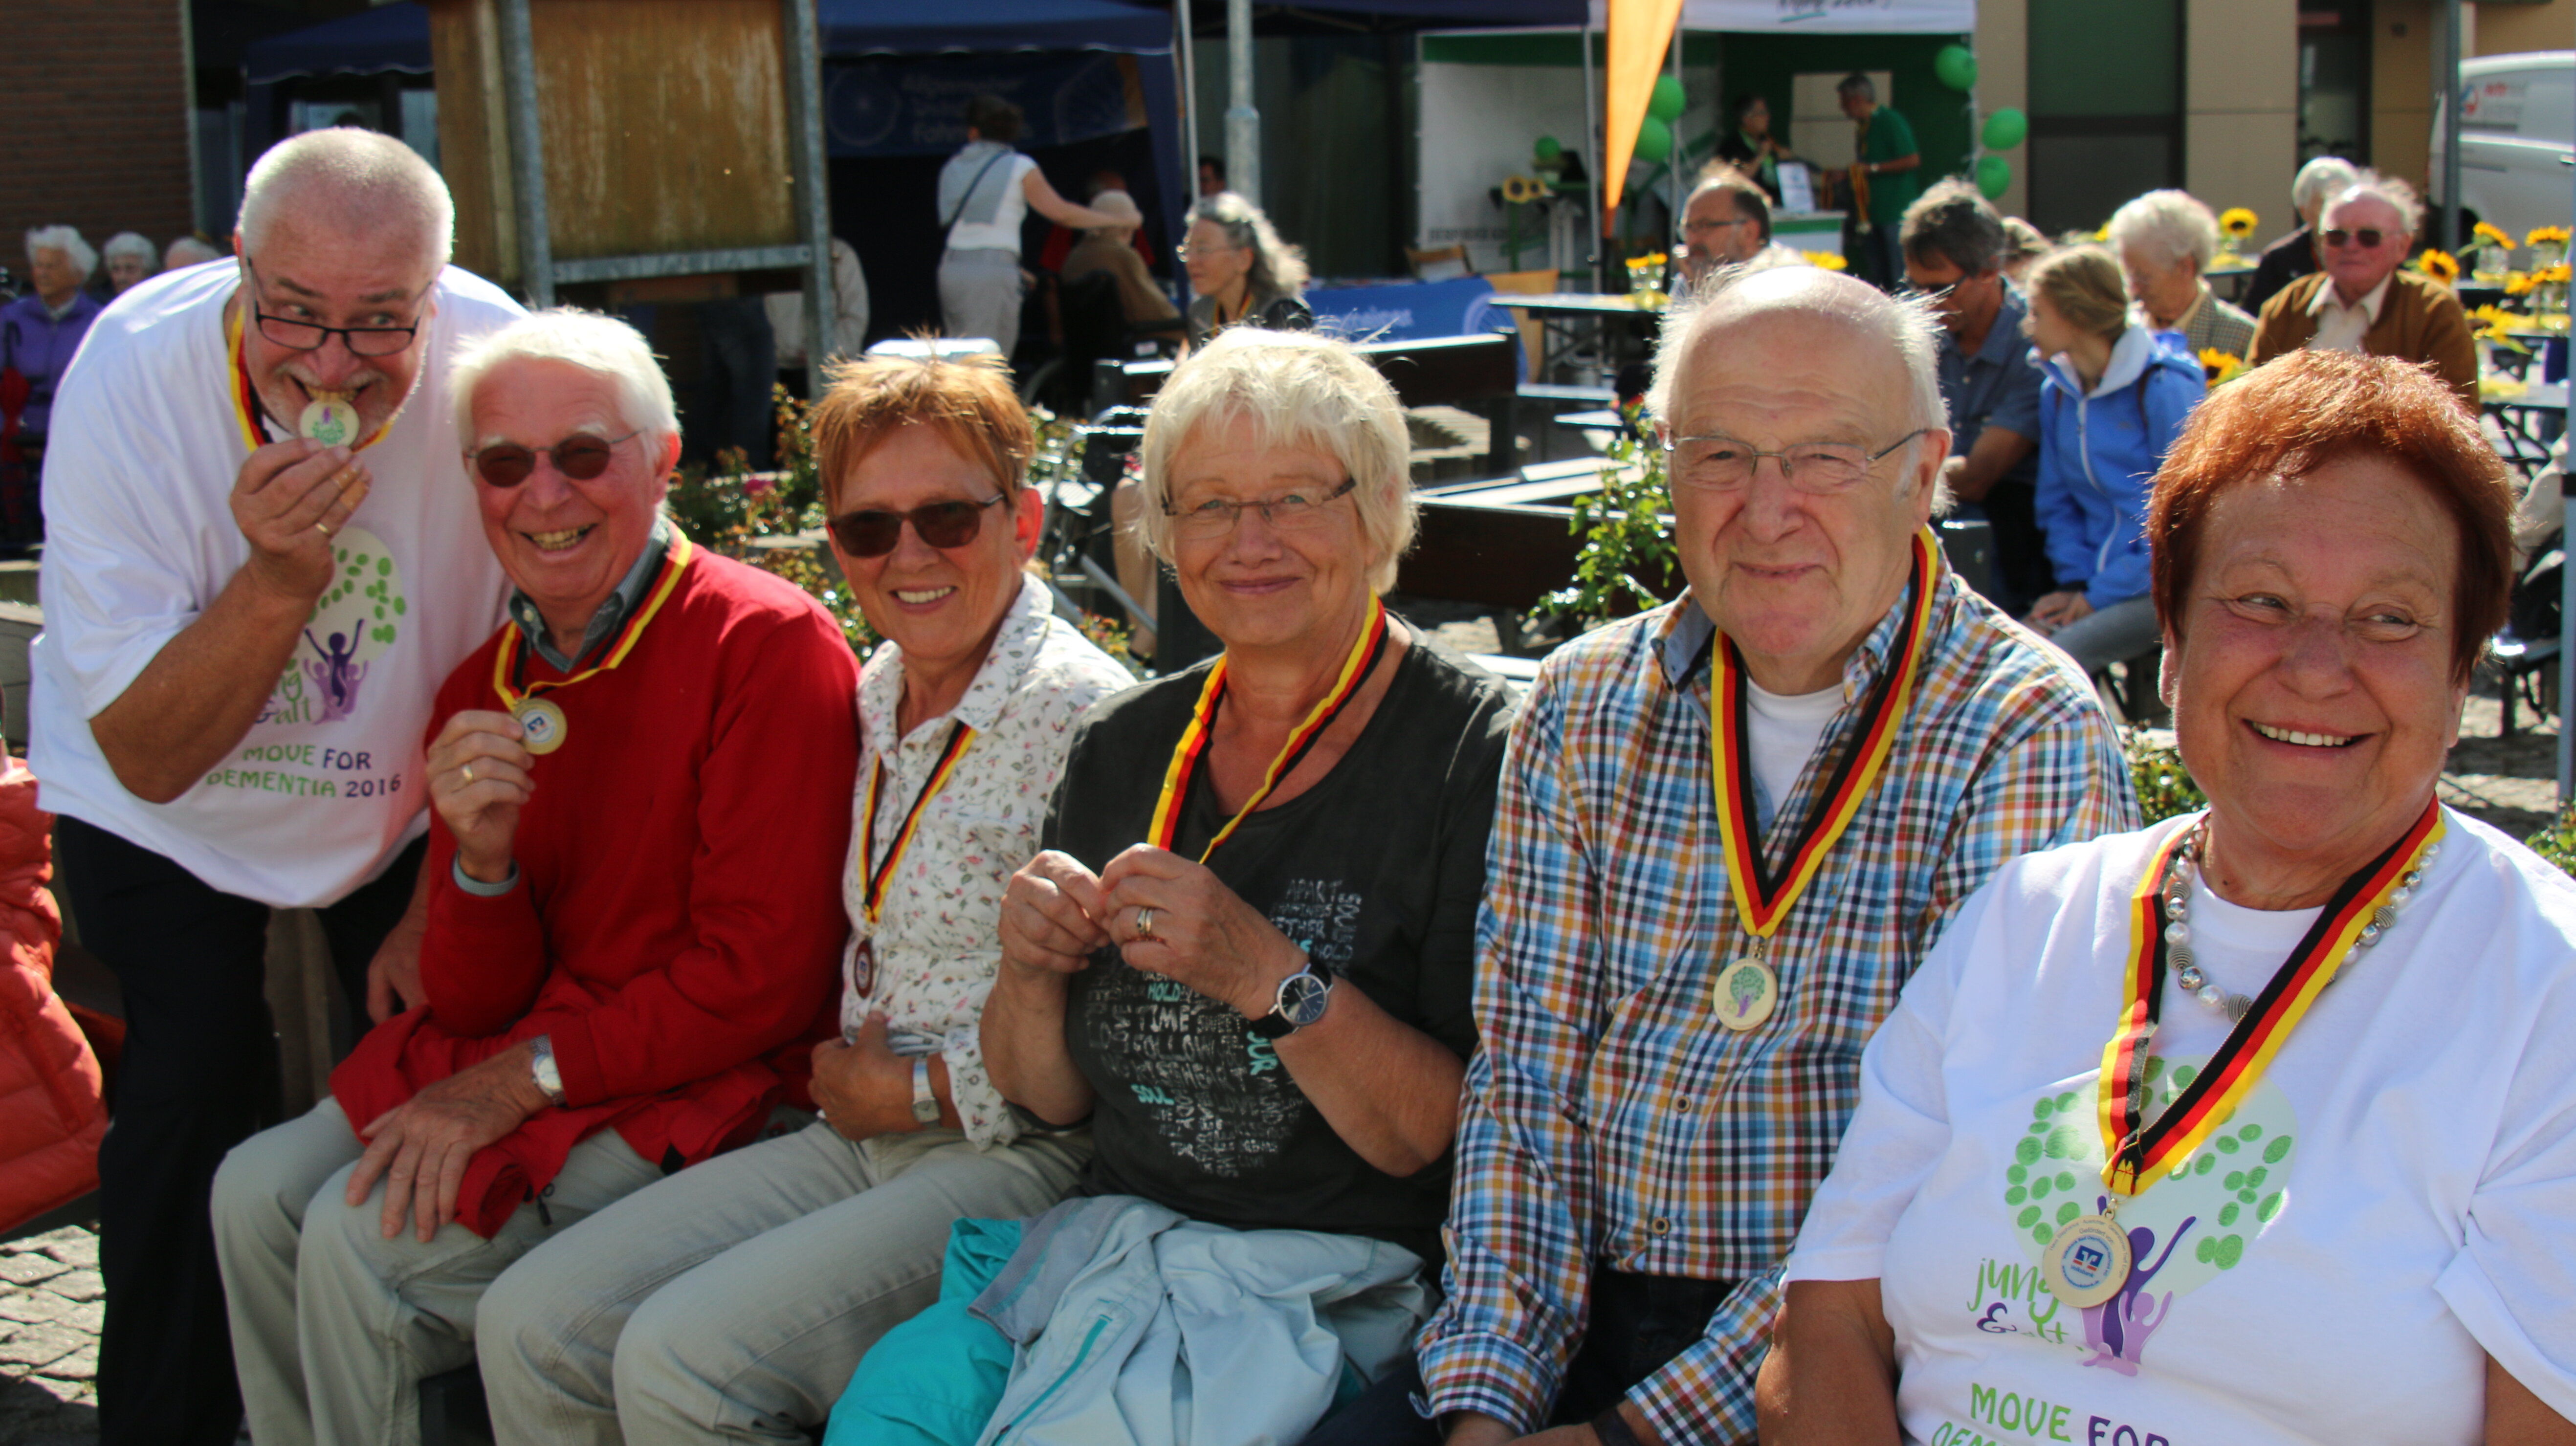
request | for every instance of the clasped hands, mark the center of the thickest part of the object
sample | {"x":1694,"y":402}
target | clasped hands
{"x":421,"y":1147}
{"x":1201,"y":934}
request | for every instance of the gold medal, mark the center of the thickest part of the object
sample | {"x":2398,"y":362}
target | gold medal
{"x":543,"y":723}
{"x":329,"y":419}
{"x":1746,"y":993}
{"x":2087,"y":1262}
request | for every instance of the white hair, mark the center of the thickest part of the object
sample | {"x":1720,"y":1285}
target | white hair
{"x":1299,"y":389}
{"x":595,"y":343}
{"x":67,"y":240}
{"x":131,"y":243}
{"x":2320,"y":178}
{"x":188,"y":251}
{"x":2167,"y":226}
{"x":356,"y":180}
{"x":2388,"y":190}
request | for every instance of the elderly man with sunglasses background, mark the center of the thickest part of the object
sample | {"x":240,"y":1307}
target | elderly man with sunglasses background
{"x":245,"y":620}
{"x":2361,"y":301}
{"x":640,"y":792}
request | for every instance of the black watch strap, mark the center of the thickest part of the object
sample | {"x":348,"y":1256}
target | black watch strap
{"x":1613,"y":1430}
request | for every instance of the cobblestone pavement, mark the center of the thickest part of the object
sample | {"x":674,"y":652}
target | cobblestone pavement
{"x":49,"y":1315}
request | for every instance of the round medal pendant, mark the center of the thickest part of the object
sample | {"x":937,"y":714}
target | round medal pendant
{"x":2087,"y":1262}
{"x":329,"y":420}
{"x":863,"y":969}
{"x":1746,"y":993}
{"x":543,"y":723}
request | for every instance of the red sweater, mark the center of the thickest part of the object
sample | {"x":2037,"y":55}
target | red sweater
{"x":677,"y":925}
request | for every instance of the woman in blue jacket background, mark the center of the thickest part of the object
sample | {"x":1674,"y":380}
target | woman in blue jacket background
{"x":2113,"y":397}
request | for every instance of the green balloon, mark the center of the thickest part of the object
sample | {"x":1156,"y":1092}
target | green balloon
{"x":1666,"y":103}
{"x":1549,"y":148}
{"x":2006,"y":128}
{"x":1956,"y":65}
{"x":1654,"y":141}
{"x":1994,"y":176}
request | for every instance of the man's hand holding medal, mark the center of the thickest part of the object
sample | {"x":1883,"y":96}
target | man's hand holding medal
{"x":479,"y":779}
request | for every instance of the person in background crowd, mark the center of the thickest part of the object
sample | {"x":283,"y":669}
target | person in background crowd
{"x":1886,"y":174}
{"x":2164,"y":240}
{"x":1240,"y":271}
{"x":188,"y":251}
{"x":1672,"y":1011}
{"x":41,"y":329}
{"x":733,"y":1300}
{"x":2542,"y":511}
{"x":2110,"y":407}
{"x":1062,"y":239}
{"x":849,"y":314}
{"x":1727,"y":222}
{"x":1750,"y":147}
{"x":2362,"y":301}
{"x":128,"y":258}
{"x":737,"y":368}
{"x":2022,"y":245}
{"x":620,"y":982}
{"x":1113,"y":249}
{"x":1954,"y":245}
{"x":219,"y":718}
{"x":984,"y":191}
{"x":1211,"y":175}
{"x":2327,"y":992}
{"x":2295,"y":255}
{"x":1244,"y":959}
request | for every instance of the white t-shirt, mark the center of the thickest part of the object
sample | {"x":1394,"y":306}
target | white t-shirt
{"x":2394,"y":1198}
{"x":1783,"y":730}
{"x":1002,"y":233}
{"x":140,"y":538}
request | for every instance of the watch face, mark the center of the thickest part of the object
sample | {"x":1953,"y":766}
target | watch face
{"x":1302,"y":998}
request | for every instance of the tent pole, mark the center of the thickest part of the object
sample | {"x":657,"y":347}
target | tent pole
{"x":1242,"y":118}
{"x":2566,"y":749}
{"x":1673,"y":158}
{"x":813,"y":191}
{"x":2449,"y":110}
{"x":1592,"y":158}
{"x":527,"y":154}
{"x":1189,"y":95}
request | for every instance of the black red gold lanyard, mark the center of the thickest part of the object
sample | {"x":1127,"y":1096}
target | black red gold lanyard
{"x":873,"y":899}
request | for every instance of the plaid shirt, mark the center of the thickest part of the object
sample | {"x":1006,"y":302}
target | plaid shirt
{"x":1610,"y":1117}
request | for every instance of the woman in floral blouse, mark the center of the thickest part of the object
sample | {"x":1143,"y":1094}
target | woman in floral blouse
{"x":735,"y":1299}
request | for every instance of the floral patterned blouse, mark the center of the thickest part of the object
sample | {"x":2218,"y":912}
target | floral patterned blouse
{"x":937,"y":941}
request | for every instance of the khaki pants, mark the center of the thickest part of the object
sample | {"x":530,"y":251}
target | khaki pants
{"x":732,"y":1301}
{"x":335,"y":1326}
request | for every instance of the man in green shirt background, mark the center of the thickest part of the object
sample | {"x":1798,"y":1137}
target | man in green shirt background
{"x":1889,"y":164}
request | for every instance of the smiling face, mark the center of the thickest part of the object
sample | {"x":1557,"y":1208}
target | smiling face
{"x":566,"y":543}
{"x":125,"y":269}
{"x":2357,"y":268}
{"x":1798,"y":580}
{"x":2310,"y":675}
{"x":1217,"y":266}
{"x":1258,"y":587}
{"x":329,"y":276}
{"x":50,"y":271}
{"x":941,"y":605}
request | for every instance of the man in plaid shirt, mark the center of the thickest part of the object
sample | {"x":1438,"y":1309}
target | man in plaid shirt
{"x":1645,"y":1124}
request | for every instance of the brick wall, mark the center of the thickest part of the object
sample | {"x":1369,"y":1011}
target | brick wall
{"x":97,"y":94}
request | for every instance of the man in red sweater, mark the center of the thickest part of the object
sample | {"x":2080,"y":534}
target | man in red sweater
{"x":640,"y":794}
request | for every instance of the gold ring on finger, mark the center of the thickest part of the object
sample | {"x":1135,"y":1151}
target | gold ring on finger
{"x":322,"y":527}
{"x":467,"y":772}
{"x":1144,"y":922}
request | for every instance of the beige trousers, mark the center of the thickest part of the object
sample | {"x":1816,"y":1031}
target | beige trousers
{"x":334,"y":1326}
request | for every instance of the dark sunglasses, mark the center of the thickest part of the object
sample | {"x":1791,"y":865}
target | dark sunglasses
{"x":874,"y":533}
{"x":507,"y":464}
{"x":2368,"y":239}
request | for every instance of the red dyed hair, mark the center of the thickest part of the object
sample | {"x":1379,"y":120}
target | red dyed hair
{"x":2291,"y":416}
{"x":972,"y":404}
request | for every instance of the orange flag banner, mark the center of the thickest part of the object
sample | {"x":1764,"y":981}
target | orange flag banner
{"x":1639,"y":30}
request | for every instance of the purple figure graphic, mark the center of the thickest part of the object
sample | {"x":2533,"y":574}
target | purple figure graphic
{"x":336,"y":674}
{"x":2116,"y":1331}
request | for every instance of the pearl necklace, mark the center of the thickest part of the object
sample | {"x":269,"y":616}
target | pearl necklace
{"x":2176,"y":889}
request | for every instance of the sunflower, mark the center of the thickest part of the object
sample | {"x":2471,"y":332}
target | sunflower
{"x":1829,"y":260}
{"x":2521,"y":283}
{"x":2238,"y":222}
{"x":2489,"y":231}
{"x":2547,"y":236}
{"x":2559,"y":273}
{"x":2496,"y":324}
{"x":2441,"y":266}
{"x":2221,"y":366}
{"x":2102,"y":232}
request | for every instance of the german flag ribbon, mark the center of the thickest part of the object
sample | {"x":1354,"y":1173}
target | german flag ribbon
{"x":510,"y":661}
{"x":246,"y":405}
{"x":960,"y":736}
{"x":1763,"y":900}
{"x":1362,"y":660}
{"x":2137,"y":1153}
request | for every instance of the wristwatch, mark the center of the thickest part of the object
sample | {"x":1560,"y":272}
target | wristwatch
{"x":925,"y":1105}
{"x":1303,"y":997}
{"x":542,"y":1068}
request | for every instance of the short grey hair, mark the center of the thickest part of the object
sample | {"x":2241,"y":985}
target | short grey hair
{"x":1910,"y":328}
{"x":188,"y":251}
{"x":131,"y":243}
{"x":585,"y":339}
{"x":1299,"y":389}
{"x":1951,"y":220}
{"x":367,"y":181}
{"x":1278,"y":268}
{"x":1857,"y":84}
{"x":2167,"y":226}
{"x":67,"y":240}
{"x":2321,"y":178}
{"x":2374,"y":186}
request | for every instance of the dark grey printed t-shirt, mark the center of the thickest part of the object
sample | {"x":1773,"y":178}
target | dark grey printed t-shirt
{"x":1375,"y":872}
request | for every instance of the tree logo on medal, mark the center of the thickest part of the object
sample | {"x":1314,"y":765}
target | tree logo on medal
{"x":1745,"y":993}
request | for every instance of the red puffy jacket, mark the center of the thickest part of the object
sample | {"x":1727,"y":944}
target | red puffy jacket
{"x":51,"y":1116}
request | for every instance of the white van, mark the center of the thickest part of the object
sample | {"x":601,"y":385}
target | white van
{"x":2517,"y":140}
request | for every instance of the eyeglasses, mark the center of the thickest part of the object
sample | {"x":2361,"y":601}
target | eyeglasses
{"x":1693,"y":228}
{"x":2367,"y":239}
{"x":369,"y":341}
{"x":1819,"y":469}
{"x":1291,"y":512}
{"x":875,"y":532}
{"x":507,"y":464}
